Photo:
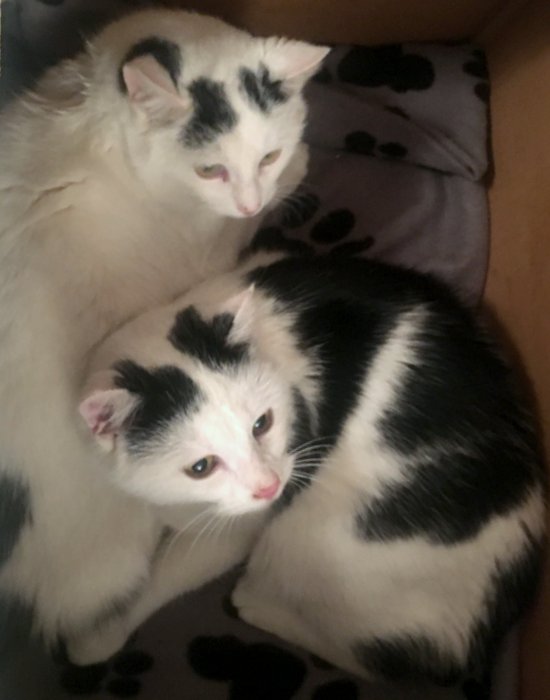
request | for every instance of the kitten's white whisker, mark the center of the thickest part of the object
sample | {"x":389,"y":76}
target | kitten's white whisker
{"x":200,"y":534}
{"x":318,"y":443}
{"x":180,"y":533}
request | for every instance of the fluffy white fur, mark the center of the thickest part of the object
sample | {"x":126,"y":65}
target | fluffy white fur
{"x":101,"y":217}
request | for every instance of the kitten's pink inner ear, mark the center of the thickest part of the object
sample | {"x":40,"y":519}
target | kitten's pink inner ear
{"x":241,"y":307}
{"x":150,"y":87}
{"x":97,"y":415}
{"x":243,"y":312}
{"x":106,"y":411}
{"x":293,"y":59}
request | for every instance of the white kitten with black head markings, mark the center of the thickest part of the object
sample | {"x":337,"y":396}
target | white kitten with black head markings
{"x":131,"y":173}
{"x":377,"y":416}
{"x":183,"y":415}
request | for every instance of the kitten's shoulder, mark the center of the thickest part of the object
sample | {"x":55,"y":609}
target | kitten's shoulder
{"x":319,"y":277}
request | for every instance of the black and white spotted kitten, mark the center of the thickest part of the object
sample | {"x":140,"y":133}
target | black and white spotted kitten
{"x":377,"y":415}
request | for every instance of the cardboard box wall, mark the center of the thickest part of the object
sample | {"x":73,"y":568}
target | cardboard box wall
{"x":516,"y":36}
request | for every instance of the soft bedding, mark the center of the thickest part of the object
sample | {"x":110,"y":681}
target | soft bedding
{"x":398,"y":138}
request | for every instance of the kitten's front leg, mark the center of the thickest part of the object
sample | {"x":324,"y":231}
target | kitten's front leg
{"x":100,"y":644}
{"x":256,"y":607}
{"x":187,"y":562}
{"x":259,"y":609}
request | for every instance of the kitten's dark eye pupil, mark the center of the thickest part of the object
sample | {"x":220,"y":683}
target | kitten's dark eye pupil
{"x":200,"y":467}
{"x":263,"y":424}
{"x":204,"y":467}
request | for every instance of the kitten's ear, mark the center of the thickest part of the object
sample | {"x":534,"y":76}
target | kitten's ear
{"x":241,"y":307}
{"x":151,"y":89}
{"x":106,"y":411}
{"x":291,"y":60}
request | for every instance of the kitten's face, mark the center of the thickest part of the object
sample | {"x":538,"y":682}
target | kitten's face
{"x":223,"y":443}
{"x":240,"y":174}
{"x":228,"y":129}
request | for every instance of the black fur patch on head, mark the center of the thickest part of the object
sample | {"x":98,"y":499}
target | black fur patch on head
{"x":260,"y":90}
{"x":213,"y":114}
{"x":164,"y":52}
{"x":207,"y":341}
{"x":408,"y":657}
{"x":15,"y":512}
{"x":164,"y":392}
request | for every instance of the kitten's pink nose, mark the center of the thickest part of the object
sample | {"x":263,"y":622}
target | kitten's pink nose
{"x":248,"y":210}
{"x":268,"y":492}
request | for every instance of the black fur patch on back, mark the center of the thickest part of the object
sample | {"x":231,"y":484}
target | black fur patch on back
{"x":15,"y":512}
{"x":207,"y":341}
{"x":416,"y":657}
{"x":470,"y":447}
{"x":447,"y":500}
{"x":512,"y":590}
{"x":164,"y":52}
{"x":260,"y":90}
{"x":164,"y":392}
{"x":408,"y":657}
{"x":213,"y":114}
{"x":334,"y":325}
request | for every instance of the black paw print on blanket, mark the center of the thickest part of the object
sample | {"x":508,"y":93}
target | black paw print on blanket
{"x":477,"y":67}
{"x":365,"y":144}
{"x":389,"y":66}
{"x":252,"y":670}
{"x":120,"y":677}
{"x":329,"y":230}
{"x":260,"y":670}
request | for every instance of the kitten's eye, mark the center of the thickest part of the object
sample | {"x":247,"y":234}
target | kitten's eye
{"x":203,"y":468}
{"x":211,"y":172}
{"x":263,"y":424}
{"x":270,"y":157}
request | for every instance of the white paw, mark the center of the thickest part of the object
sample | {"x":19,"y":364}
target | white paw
{"x":97,"y":646}
{"x":241,"y":596}
{"x":252,"y":610}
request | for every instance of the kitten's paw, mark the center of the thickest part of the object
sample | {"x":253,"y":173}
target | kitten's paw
{"x":241,"y":597}
{"x":252,"y":609}
{"x":97,"y":646}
